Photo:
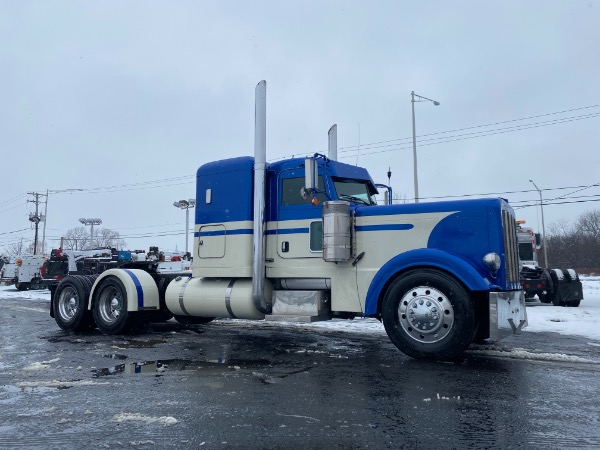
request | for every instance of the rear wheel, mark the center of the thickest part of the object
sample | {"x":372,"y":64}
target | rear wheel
{"x":70,"y":303}
{"x":110,"y":307}
{"x":428,"y":315}
{"x":22,"y":286}
{"x":557,"y":278}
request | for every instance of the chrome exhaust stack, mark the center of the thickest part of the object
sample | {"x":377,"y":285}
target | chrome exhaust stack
{"x":260,"y":163}
{"x":332,"y":150}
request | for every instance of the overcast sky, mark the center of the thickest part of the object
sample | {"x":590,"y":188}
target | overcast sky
{"x":125,"y":100}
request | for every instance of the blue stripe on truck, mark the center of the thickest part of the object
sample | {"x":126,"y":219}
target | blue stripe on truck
{"x":138,"y":287}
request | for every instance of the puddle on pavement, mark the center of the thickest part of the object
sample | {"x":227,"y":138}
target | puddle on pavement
{"x":155,"y":367}
{"x":170,"y":365}
{"x":149,"y":343}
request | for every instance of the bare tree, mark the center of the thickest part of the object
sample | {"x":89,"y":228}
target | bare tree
{"x":16,"y":249}
{"x":589,"y":223}
{"x":561,"y":227}
{"x":39,"y":250}
{"x":578,"y":245}
{"x":76,"y":239}
{"x":105,"y":237}
{"x":79,"y":239}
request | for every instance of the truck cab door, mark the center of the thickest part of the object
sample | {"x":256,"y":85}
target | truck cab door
{"x":299,"y":226}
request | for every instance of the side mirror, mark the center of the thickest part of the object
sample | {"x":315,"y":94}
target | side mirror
{"x":310,"y":174}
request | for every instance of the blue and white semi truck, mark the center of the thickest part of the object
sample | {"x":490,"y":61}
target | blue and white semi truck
{"x":303,"y":240}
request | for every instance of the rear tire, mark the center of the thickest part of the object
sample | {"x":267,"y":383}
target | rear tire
{"x":22,"y":286}
{"x":428,"y":315}
{"x":70,"y":303}
{"x":110,"y":307}
{"x":557,"y":278}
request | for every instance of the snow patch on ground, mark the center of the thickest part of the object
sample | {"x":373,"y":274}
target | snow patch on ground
{"x":581,"y":321}
{"x":40,"y":365}
{"x":57,"y":384}
{"x":126,"y":417}
{"x":519,"y":353}
{"x":33,"y":294}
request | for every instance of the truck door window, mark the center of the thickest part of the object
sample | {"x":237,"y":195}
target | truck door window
{"x":316,"y":236}
{"x":290,"y":191}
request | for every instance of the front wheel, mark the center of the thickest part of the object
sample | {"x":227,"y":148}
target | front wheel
{"x":110,"y":307}
{"x":427,"y":314}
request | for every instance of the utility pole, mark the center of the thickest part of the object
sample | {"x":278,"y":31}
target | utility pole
{"x":35,"y":218}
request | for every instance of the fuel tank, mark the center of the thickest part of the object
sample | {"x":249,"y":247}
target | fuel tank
{"x":214,"y":297}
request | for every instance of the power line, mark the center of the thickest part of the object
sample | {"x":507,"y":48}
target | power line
{"x":397,"y":145}
{"x":490,"y":133}
{"x":17,"y":231}
{"x":496,"y":130}
{"x":14,"y":199}
{"x":478,"y":126}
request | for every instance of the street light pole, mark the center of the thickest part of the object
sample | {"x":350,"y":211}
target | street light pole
{"x":420,"y":98}
{"x":543,"y":226}
{"x":91,"y":222}
{"x":186,"y":204}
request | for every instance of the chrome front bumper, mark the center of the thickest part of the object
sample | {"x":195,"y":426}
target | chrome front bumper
{"x":507,"y":314}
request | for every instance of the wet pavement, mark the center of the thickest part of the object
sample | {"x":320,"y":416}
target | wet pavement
{"x":238,"y":384}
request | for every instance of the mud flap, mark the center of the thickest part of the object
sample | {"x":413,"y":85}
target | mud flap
{"x":507,"y":314}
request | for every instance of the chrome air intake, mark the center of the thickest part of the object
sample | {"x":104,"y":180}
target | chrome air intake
{"x":336,"y":231}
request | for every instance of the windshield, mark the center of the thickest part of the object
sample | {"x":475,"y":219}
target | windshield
{"x":353,"y":190}
{"x":526,"y":251}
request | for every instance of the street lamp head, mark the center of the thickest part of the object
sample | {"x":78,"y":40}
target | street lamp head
{"x":436,"y":103}
{"x":185,"y":204}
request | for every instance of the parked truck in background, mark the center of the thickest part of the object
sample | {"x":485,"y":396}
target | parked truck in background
{"x":8,"y":271}
{"x":30,"y":272}
{"x":304,"y":240}
{"x":561,"y":287}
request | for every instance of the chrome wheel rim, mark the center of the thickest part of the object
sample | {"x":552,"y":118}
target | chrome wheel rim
{"x":68,"y":303}
{"x":426,"y":314}
{"x":110,"y":305}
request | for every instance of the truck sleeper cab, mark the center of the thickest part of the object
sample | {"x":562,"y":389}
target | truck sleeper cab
{"x":438,"y":275}
{"x":304,"y":240}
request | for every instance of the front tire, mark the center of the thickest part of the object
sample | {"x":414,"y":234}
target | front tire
{"x":110,"y":307}
{"x":427,"y":314}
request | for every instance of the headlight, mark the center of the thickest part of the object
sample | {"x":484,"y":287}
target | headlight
{"x":492,"y":261}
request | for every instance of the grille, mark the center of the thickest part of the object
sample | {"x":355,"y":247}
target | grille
{"x":510,"y":247}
